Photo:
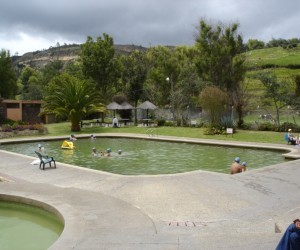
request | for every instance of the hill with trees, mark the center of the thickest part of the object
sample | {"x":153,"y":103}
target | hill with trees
{"x":65,"y":53}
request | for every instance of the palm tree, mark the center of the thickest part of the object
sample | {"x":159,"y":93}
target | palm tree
{"x":70,"y":97}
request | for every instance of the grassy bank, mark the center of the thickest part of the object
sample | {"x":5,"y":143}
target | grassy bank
{"x":241,"y":135}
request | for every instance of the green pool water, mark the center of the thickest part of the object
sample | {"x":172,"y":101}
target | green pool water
{"x":150,"y":157}
{"x":27,"y":227}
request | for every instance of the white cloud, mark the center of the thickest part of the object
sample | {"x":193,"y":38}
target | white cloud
{"x":22,"y":43}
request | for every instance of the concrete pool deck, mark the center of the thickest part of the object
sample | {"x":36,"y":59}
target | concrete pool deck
{"x":195,"y":210}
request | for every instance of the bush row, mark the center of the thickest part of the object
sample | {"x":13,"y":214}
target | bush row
{"x":19,"y":127}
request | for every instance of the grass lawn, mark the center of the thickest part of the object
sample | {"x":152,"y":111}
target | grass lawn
{"x":241,"y":135}
{"x":277,"y":55}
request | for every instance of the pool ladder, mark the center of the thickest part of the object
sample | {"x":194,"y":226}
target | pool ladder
{"x":151,"y":132}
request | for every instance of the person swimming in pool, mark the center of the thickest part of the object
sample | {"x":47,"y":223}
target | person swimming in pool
{"x":236,"y":167}
{"x":244,"y":166}
{"x":41,"y":149}
{"x":108,"y":151}
{"x":94,"y":152}
{"x":72,"y":138}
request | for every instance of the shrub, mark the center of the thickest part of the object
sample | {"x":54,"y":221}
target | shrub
{"x":214,"y":130}
{"x":39,"y":127}
{"x":7,"y":128}
{"x":288,"y":125}
{"x":8,"y":122}
{"x":227,"y":122}
{"x":19,"y":128}
{"x":31,"y":127}
{"x":247,"y":126}
{"x":168,"y":123}
{"x":266,"y":126}
{"x":161,"y":122}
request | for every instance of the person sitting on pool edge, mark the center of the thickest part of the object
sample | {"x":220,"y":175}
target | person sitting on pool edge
{"x":236,"y":166}
{"x":289,"y":137}
{"x":291,"y":237}
{"x":244,"y":166}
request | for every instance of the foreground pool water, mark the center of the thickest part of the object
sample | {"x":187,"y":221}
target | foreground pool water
{"x":150,"y":157}
{"x":27,"y":227}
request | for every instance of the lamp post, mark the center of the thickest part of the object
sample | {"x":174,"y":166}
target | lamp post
{"x":188,"y":115}
{"x":169,"y":79}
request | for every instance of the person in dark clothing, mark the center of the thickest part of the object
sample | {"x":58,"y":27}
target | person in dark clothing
{"x":291,"y":238}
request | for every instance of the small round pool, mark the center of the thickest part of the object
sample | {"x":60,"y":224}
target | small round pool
{"x":150,"y":157}
{"x":24,"y":226}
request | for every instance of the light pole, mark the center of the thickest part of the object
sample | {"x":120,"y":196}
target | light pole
{"x":188,"y":115}
{"x":169,"y":79}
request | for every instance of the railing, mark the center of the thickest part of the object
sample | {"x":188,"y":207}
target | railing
{"x":151,"y":132}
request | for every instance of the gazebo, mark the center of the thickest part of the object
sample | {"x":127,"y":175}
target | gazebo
{"x":126,"y":105}
{"x":123,"y":106}
{"x":114,"y":106}
{"x":147,"y":106}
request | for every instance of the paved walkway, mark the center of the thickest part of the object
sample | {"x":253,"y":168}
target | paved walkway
{"x":196,"y":210}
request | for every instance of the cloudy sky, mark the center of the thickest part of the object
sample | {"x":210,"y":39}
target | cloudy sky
{"x":30,"y":25}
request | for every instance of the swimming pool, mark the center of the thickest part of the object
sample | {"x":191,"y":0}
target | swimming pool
{"x":27,"y":227}
{"x":148,"y":157}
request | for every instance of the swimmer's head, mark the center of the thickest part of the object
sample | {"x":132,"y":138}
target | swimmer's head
{"x":244,"y":164}
{"x":237,"y":159}
{"x":108,"y":150}
{"x":120,"y":151}
{"x":40,"y":145}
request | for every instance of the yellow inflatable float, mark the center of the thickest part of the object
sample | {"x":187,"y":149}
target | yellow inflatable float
{"x":67,"y":145}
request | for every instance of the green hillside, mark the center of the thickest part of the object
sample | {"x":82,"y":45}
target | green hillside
{"x":284,"y":63}
{"x":273,"y":56}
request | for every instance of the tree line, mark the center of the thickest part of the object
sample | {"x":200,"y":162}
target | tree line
{"x":210,"y":74}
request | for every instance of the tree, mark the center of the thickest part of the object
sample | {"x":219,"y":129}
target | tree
{"x":213,"y":100}
{"x":297,"y":90}
{"x":240,"y":99}
{"x":296,"y":99}
{"x":134,"y":74}
{"x":8,"y":80}
{"x":52,"y":69}
{"x":255,"y":44}
{"x":98,"y":63}
{"x":220,"y":61}
{"x":69,"y":97}
{"x":74,"y":68}
{"x":163,"y":65}
{"x":30,"y":81}
{"x":188,"y":86}
{"x":172,"y":79}
{"x":276,"y":92}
